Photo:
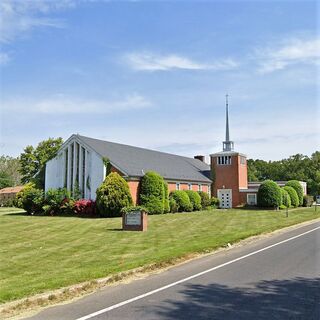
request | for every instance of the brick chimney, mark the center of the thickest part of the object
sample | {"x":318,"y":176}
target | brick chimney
{"x":201,"y":158}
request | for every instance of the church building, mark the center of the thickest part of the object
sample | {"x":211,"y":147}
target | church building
{"x":80,"y":166}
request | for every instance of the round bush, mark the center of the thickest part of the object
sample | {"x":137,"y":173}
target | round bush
{"x":295,"y":184}
{"x":195,"y":200}
{"x":286,"y":200}
{"x":113,"y":195}
{"x":293,"y":196}
{"x":269,"y":195}
{"x":182,"y":200}
{"x":215,"y":202}
{"x":152,"y":193}
{"x":173,"y":205}
{"x":30,"y":199}
{"x":205,"y":199}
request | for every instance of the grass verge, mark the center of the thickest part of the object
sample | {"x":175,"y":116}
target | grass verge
{"x":38,"y":254}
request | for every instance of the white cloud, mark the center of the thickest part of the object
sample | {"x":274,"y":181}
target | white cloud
{"x":18,"y":16}
{"x":291,"y":52}
{"x":63,"y":104}
{"x":4,"y":58}
{"x":154,"y":62}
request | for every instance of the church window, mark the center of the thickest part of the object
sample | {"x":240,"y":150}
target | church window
{"x":177,"y":186}
{"x":66,"y":167}
{"x":83,"y":151}
{"x":199,"y":187}
{"x":71,"y":166}
{"x":243,"y":160}
{"x":224,"y":160}
{"x":190,"y":186}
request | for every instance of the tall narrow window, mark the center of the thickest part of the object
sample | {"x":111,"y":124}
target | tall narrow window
{"x":177,"y":186}
{"x":83,"y":171}
{"x":66,"y":168}
{"x":190,"y":186}
{"x":77,"y":153}
{"x":71,"y":167}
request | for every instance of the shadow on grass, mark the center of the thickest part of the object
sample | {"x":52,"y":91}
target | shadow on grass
{"x":298,"y":298}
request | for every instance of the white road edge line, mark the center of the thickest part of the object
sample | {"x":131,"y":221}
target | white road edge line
{"x":120,"y":304}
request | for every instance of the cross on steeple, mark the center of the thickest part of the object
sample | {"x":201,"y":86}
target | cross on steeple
{"x":227,"y":144}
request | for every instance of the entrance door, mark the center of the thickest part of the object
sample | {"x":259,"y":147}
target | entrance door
{"x":225,"y":197}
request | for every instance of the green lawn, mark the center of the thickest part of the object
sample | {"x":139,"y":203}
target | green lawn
{"x":41,"y":253}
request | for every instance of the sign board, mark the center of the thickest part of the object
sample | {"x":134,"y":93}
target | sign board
{"x":133,"y":218}
{"x":135,"y":221}
{"x":318,"y":199}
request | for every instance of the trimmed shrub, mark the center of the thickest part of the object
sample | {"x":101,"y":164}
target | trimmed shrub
{"x":166,"y":198}
{"x":295,"y":184}
{"x":286,"y":200}
{"x":152,"y":193}
{"x":307,"y":201}
{"x":173,"y":205}
{"x":56,"y":200}
{"x":182,"y":200}
{"x":113,"y":195}
{"x":30,"y":199}
{"x":84,"y":207}
{"x":205,"y":199}
{"x":293,"y":196}
{"x":195,"y":200}
{"x":269,"y":195}
{"x":215,"y":202}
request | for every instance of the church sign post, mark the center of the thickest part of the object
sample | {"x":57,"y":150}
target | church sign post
{"x":134,"y":219}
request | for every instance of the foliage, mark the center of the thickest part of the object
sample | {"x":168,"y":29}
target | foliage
{"x":113,"y":195}
{"x":173,"y":205}
{"x":307,"y":201}
{"x":297,"y":167}
{"x":182,"y":200}
{"x":9,"y":172}
{"x":56,"y":201}
{"x":107,"y":164}
{"x":215,"y":202}
{"x":269,"y":195}
{"x":134,"y":208}
{"x":166,"y":204}
{"x":293,"y":196}
{"x":152,"y":192}
{"x":84,"y":207}
{"x":282,"y":207}
{"x":195,"y":200}
{"x":30,"y":199}
{"x":296,"y":186}
{"x":33,"y":160}
{"x":286,"y":200}
{"x":205,"y":199}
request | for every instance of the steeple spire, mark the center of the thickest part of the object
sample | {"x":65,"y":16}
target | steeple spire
{"x":227,"y":144}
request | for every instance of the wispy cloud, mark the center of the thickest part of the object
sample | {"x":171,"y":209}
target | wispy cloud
{"x":63,"y":104}
{"x":294,"y":51}
{"x":145,"y":61}
{"x":18,"y":17}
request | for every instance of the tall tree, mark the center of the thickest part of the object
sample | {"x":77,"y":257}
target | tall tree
{"x":9,"y":171}
{"x":33,"y":160}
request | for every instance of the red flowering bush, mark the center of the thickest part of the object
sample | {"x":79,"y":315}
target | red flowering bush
{"x":85,"y":207}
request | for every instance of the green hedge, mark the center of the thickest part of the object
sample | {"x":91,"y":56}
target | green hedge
{"x":269,"y":195}
{"x":182,"y":200}
{"x":205,"y":200}
{"x":295,"y":184}
{"x":195,"y":200}
{"x":153,"y":193}
{"x":293,"y":196}
{"x":113,"y":195}
{"x":166,"y":198}
{"x":286,"y":200}
{"x":215,"y":202}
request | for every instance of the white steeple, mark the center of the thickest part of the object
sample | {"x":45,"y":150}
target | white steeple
{"x":227,"y":144}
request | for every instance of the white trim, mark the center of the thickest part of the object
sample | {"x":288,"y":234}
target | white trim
{"x":221,"y":193}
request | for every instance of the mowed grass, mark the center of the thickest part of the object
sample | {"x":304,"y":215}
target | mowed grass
{"x":42,"y":253}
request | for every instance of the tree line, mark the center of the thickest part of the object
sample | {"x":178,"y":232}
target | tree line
{"x":297,"y":167}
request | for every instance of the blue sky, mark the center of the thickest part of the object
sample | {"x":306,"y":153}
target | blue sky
{"x":155,"y":74}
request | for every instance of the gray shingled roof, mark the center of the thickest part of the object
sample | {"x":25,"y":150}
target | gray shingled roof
{"x":134,"y":161}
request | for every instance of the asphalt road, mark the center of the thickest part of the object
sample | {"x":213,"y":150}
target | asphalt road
{"x":274,"y":278}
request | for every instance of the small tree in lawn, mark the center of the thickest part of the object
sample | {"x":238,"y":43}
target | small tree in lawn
{"x":286,"y":200}
{"x":113,"y":195}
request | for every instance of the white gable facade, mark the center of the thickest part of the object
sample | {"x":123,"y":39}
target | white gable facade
{"x":76,"y":167}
